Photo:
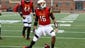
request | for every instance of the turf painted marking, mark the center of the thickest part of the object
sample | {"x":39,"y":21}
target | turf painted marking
{"x":63,"y":21}
{"x":68,"y":19}
{"x":9,"y":21}
{"x":67,"y":25}
{"x":71,"y":17}
{"x":18,"y":46}
{"x":60,"y":31}
{"x":45,"y":37}
{"x":11,"y":46}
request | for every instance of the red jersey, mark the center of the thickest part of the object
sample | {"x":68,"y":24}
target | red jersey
{"x":26,"y":8}
{"x":43,"y":16}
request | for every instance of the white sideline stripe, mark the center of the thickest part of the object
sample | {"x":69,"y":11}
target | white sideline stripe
{"x":65,"y":21}
{"x":11,"y":46}
{"x":45,"y":37}
{"x":12,"y":36}
{"x":60,"y":31}
{"x":32,"y":31}
{"x":9,"y":21}
{"x":71,"y":17}
{"x":74,"y":32}
{"x":66,"y":25}
{"x":11,"y":30}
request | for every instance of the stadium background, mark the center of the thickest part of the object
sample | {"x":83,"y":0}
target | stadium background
{"x":58,"y":5}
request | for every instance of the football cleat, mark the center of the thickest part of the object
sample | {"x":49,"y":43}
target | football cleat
{"x":47,"y":46}
{"x":23,"y":36}
{"x":28,"y":38}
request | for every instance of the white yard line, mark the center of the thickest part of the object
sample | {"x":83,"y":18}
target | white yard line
{"x":71,"y":17}
{"x":75,"y":32}
{"x":59,"y":31}
{"x":19,"y":46}
{"x":12,"y":30}
{"x":9,"y":21}
{"x":12,"y":36}
{"x":66,"y":25}
{"x":68,"y":19}
{"x":44,"y":37}
{"x":12,"y":46}
{"x":63,"y":21}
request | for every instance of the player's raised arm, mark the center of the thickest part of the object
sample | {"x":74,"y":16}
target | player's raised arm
{"x":54,"y":20}
{"x":18,"y":8}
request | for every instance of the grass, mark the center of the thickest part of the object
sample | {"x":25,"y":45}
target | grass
{"x":73,"y":36}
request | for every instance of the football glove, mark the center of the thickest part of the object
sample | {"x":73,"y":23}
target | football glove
{"x":33,"y":14}
{"x":55,"y":24}
{"x":20,"y":14}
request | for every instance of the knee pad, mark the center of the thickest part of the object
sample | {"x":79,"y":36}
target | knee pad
{"x":35,"y":39}
{"x":53,"y":34}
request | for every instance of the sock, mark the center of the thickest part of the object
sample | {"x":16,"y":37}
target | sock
{"x":28,"y":32}
{"x":32,"y":43}
{"x":53,"y":41}
{"x":23,"y":31}
{"x":52,"y":45}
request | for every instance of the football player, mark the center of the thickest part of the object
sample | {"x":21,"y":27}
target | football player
{"x":43,"y":15}
{"x":25,"y":9}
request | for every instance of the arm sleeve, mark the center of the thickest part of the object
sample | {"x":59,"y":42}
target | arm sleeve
{"x":51,"y":14}
{"x":36,"y":21}
{"x":33,"y":8}
{"x":53,"y":18}
{"x":20,"y":8}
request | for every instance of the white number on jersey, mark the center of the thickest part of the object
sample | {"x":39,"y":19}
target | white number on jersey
{"x":42,"y":18}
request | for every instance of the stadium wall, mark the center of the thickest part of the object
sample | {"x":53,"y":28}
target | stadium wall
{"x":58,"y":5}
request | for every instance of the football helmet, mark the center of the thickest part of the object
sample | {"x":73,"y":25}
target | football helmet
{"x":27,"y":1}
{"x":47,"y":46}
{"x":41,"y":4}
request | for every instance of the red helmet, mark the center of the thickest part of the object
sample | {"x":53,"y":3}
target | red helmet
{"x":47,"y":46}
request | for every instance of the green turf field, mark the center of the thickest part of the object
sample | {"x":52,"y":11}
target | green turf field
{"x":71,"y":32}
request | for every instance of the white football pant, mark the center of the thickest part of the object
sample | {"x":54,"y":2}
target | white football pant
{"x":43,"y":30}
{"x":28,"y":20}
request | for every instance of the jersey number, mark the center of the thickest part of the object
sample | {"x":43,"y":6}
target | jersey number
{"x":42,"y":18}
{"x":26,"y":9}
